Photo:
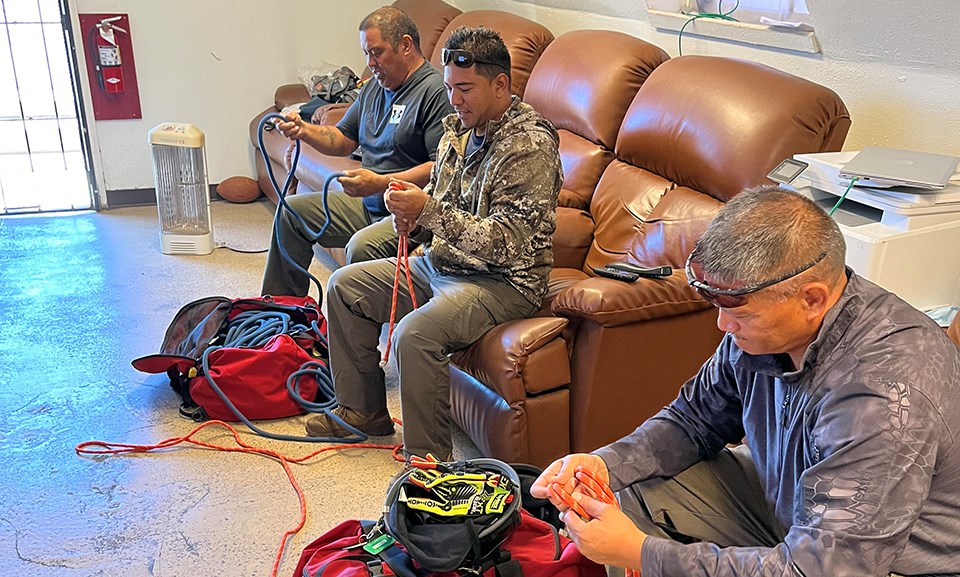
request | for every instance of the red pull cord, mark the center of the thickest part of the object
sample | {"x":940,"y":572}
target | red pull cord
{"x":403,"y":261}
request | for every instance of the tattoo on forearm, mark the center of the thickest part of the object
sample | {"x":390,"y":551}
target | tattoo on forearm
{"x":327,"y":137}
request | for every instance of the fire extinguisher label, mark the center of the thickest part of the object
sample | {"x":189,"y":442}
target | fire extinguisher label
{"x":109,"y":55}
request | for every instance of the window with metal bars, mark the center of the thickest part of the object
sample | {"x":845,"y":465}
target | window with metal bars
{"x":43,"y":164}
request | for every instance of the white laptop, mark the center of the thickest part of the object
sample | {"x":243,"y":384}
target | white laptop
{"x":886,"y":167}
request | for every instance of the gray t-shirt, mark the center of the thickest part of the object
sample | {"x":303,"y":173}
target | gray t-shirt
{"x":397,"y":129}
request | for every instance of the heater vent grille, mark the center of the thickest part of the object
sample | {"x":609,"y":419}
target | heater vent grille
{"x":183,"y":194}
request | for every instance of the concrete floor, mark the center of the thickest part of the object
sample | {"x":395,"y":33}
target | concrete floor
{"x":83,"y":294}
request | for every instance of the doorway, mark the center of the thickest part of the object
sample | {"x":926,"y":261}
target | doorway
{"x":44,"y":156}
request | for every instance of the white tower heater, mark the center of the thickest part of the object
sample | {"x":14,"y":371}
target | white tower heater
{"x":183,"y":194}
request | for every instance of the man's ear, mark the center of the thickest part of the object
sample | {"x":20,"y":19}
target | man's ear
{"x":816,"y":298}
{"x":406,"y":44}
{"x":502,"y":84}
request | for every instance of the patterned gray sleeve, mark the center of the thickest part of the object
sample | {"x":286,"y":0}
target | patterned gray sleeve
{"x":524,"y":181}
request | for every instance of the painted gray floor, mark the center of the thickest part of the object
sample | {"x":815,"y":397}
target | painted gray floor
{"x":80,"y":296}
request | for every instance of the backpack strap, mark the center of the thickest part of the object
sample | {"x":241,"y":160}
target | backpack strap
{"x":509,"y":569}
{"x":393,"y":556}
{"x":375,"y":571}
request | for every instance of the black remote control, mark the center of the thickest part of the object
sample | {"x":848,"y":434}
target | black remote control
{"x":656,"y":272}
{"x":625,"y":276}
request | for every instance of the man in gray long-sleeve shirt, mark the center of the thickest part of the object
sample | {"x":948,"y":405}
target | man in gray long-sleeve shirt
{"x":847,"y":401}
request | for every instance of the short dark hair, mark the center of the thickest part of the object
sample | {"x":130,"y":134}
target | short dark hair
{"x":393,"y":24}
{"x":485,"y":44}
{"x":765,"y":232}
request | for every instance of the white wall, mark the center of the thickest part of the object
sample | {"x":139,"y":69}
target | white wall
{"x":896,"y":65}
{"x":216,"y":63}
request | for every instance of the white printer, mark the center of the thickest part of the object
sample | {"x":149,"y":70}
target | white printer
{"x":905,"y":240}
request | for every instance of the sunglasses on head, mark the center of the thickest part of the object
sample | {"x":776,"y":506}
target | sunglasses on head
{"x":463,"y":58}
{"x":733,"y":298}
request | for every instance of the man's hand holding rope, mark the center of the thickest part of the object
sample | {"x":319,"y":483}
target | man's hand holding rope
{"x":578,"y":485}
{"x":405,"y":201}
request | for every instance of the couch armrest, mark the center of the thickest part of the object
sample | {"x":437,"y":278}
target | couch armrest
{"x":612,"y":303}
{"x":290,"y":94}
{"x":519,"y":357}
{"x":953,"y":331}
{"x":331,"y":114}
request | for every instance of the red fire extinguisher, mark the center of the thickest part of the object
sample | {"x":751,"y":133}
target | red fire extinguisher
{"x":106,"y":55}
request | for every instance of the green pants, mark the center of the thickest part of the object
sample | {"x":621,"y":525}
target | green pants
{"x":351,"y":227}
{"x":454,"y":311}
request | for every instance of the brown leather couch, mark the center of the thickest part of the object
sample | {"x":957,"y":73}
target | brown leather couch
{"x":953,"y":331}
{"x":651,"y":148}
{"x":605,"y":354}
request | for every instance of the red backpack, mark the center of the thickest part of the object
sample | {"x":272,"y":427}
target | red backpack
{"x":231,"y":359}
{"x":535,"y":550}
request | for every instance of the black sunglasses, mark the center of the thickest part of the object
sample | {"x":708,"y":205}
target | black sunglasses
{"x":463,"y":58}
{"x":733,"y":298}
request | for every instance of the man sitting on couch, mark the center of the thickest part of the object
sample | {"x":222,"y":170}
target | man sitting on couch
{"x":396,"y":122}
{"x":486,"y":220}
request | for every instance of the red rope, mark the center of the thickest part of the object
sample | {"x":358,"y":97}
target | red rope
{"x":403,"y":262}
{"x":89,"y":448}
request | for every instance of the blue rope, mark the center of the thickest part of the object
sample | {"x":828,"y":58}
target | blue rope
{"x":282,"y":204}
{"x":253,"y":329}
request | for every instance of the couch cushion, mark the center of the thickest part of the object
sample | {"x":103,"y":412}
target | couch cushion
{"x":678,"y":127}
{"x":525,"y":39}
{"x":642,"y":218}
{"x":583,"y":83}
{"x":586,"y":79}
{"x":583,"y":162}
{"x":431,"y":18}
{"x":572,"y":239}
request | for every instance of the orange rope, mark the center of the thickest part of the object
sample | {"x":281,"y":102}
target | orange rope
{"x":403,"y":262}
{"x":90,"y":448}
{"x":598,"y":489}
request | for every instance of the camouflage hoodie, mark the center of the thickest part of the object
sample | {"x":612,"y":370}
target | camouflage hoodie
{"x":495,"y":211}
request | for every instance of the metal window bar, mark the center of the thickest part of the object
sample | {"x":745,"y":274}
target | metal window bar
{"x":46,"y":166}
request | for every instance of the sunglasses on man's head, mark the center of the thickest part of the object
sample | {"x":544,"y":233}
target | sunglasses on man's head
{"x":462,"y":58}
{"x":733,"y":298}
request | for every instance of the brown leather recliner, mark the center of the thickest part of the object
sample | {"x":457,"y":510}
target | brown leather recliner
{"x":953,"y":331}
{"x":606,"y":355}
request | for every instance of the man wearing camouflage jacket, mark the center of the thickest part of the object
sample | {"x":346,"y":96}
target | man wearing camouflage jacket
{"x":486,"y":220}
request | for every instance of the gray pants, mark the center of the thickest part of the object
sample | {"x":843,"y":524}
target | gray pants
{"x":351,"y":226}
{"x":719,"y":501}
{"x":454,"y":312}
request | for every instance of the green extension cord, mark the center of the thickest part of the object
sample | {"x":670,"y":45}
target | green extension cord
{"x":843,"y":196}
{"x":719,"y":15}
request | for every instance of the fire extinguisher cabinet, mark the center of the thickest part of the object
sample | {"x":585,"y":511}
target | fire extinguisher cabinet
{"x":183,"y":193}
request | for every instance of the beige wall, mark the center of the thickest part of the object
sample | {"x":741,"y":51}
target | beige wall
{"x":216,"y":63}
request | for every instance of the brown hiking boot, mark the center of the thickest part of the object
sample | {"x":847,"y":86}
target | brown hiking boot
{"x":375,"y":424}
